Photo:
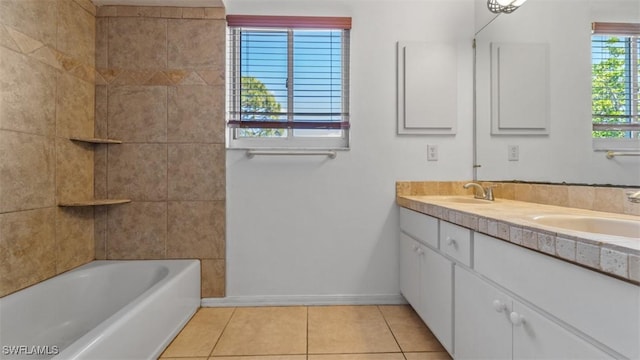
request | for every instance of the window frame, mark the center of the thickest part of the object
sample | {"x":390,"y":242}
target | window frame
{"x":627,"y":30}
{"x":289,"y":24}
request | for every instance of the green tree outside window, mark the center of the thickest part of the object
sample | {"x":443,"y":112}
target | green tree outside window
{"x":611,"y":95}
{"x":258,"y":104}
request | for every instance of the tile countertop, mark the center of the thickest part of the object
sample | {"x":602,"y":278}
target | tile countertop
{"x":512,"y":221}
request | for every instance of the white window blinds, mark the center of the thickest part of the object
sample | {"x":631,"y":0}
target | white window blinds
{"x":289,"y":76}
{"x":615,"y":59}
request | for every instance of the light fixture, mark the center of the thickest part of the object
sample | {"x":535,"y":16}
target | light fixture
{"x":504,"y":6}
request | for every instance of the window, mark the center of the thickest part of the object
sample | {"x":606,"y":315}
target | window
{"x":615,"y":58}
{"x":288,"y":82}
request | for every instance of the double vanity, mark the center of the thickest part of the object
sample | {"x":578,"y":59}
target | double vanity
{"x":510,"y":279}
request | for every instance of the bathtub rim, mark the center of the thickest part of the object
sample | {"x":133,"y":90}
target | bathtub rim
{"x":178,"y":289}
{"x":77,"y":348}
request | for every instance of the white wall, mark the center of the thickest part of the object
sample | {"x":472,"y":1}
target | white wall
{"x":320,"y":227}
{"x":567,"y":153}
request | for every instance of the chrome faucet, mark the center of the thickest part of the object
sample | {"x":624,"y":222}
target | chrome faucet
{"x":481,"y":192}
{"x":634,"y":197}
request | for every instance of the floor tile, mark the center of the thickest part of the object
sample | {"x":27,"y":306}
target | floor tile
{"x":437,"y":355}
{"x":265,"y":331}
{"x":409,"y":330}
{"x":200,"y":335}
{"x":267,"y":357}
{"x":349,"y":329}
{"x":378,"y":356}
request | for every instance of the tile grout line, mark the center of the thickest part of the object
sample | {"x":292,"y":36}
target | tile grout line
{"x":307,"y":354}
{"x":166,"y":143}
{"x":166,"y":139}
{"x":105,"y":133}
{"x":391,"y":331}
{"x":222,"y":332}
{"x":404,"y":355}
{"x":55,"y":158}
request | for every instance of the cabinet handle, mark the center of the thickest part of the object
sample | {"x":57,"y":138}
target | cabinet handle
{"x":450,"y":241}
{"x":516,"y":319}
{"x":499,"y":306}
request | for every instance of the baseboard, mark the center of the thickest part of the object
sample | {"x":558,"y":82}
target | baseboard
{"x":292,"y":300}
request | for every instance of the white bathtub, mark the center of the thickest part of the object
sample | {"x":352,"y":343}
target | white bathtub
{"x":102,"y":310}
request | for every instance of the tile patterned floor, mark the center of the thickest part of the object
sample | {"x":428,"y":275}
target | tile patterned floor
{"x":389,"y":332}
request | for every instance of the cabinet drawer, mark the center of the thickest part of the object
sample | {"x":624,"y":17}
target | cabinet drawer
{"x":600,"y":306}
{"x":455,"y":241}
{"x":419,"y":226}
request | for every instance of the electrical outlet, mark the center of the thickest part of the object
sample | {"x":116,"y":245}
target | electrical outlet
{"x":432,"y":152}
{"x":513,"y":152}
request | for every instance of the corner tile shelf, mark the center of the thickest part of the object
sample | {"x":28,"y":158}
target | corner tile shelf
{"x":97,"y":140}
{"x":94,"y":202}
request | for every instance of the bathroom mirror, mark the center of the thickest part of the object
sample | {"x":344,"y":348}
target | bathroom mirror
{"x":558,"y":32}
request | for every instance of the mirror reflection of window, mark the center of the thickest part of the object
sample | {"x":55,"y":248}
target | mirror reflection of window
{"x":615,"y":59}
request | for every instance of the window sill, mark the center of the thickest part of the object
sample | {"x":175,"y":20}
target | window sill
{"x":616,"y":144}
{"x":257,"y":148}
{"x":298,"y":143}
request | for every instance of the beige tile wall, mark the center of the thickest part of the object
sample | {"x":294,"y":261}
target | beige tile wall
{"x":47,"y":67}
{"x":160,"y":89}
{"x":598,"y":198}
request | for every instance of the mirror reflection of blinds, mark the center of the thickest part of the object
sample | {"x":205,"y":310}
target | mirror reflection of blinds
{"x":293,"y":77}
{"x":615,"y":77}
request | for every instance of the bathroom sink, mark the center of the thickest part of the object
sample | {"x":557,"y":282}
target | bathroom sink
{"x":606,"y":226}
{"x":466,"y":200}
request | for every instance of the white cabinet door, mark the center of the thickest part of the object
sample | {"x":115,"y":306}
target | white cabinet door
{"x":437,"y":295}
{"x":596,"y":304}
{"x":426,"y":282}
{"x":536,"y":337}
{"x":409,"y":270}
{"x":482,"y":326}
{"x":491,"y":325}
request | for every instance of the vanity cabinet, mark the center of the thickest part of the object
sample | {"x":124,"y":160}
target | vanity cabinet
{"x":426,"y":277}
{"x":487,"y":298}
{"x":599,"y":306}
{"x":489,"y":324}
